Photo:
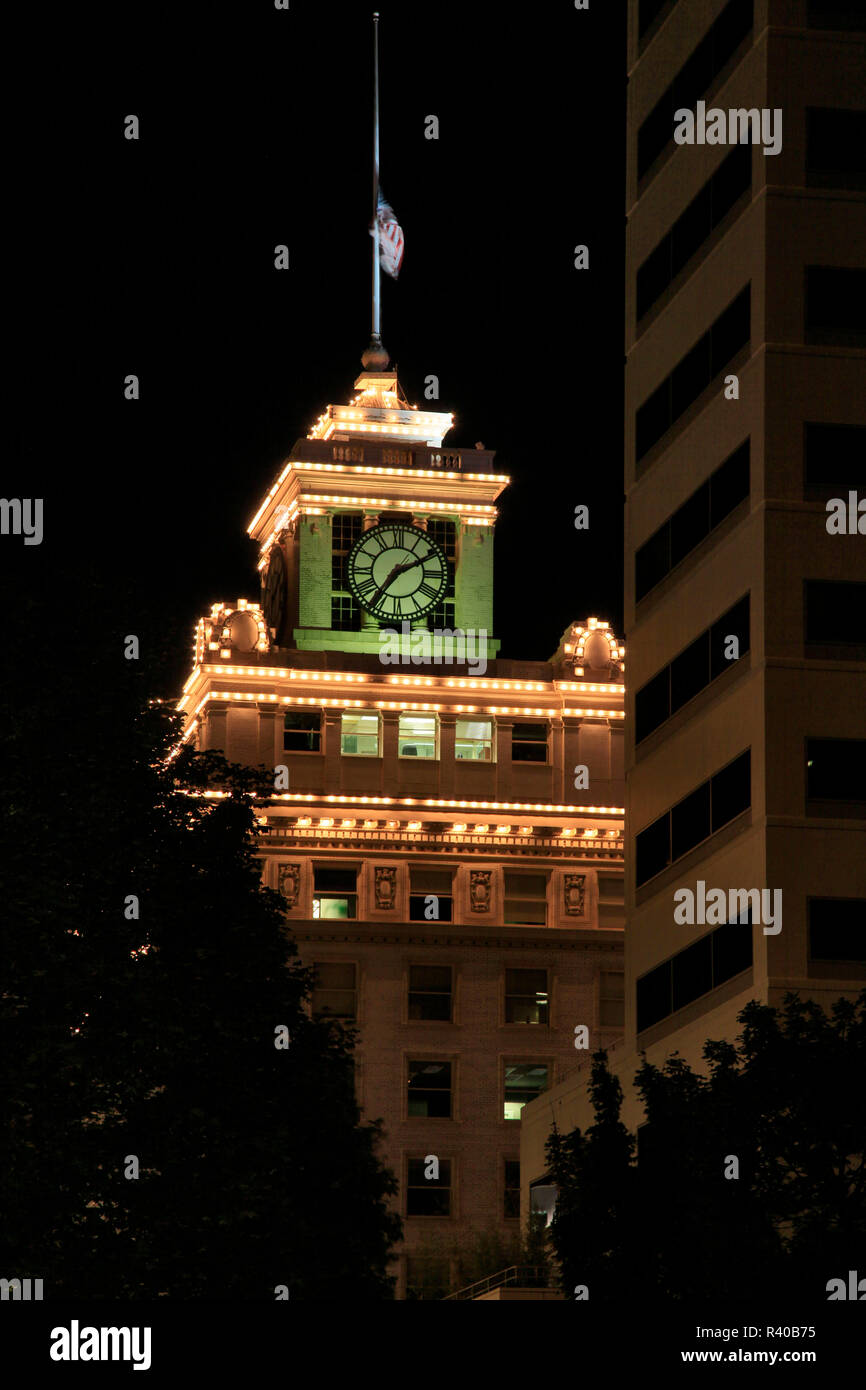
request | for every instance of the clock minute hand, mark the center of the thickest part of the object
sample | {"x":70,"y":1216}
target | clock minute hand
{"x":395,"y":571}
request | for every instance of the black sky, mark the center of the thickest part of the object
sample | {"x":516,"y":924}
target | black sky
{"x":156,"y":257}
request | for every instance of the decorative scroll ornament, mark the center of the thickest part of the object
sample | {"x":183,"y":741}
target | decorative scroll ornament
{"x":479,"y":889}
{"x":290,"y":883}
{"x":574,"y":893}
{"x":385,"y":888}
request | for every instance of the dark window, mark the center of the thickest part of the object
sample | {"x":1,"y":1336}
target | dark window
{"x":335,"y":893}
{"x":835,"y":615}
{"x":693,"y":972}
{"x":836,"y":769}
{"x":706,"y":809}
{"x":731,"y":790}
{"x":346,"y":529}
{"x":430,"y":993}
{"x":693,"y":373}
{"x":525,"y":899}
{"x":345,"y":613}
{"x":334,"y":991}
{"x":302,"y":731}
{"x":837,"y":929}
{"x":835,"y":305}
{"x":653,"y":848}
{"x":692,"y":522}
{"x":611,"y":999}
{"x":430,"y":1090}
{"x":837,"y":14}
{"x":428,"y":1196}
{"x":512,"y":1188}
{"x":690,"y":821}
{"x":692,"y":228}
{"x":835,"y":148}
{"x":444,"y":533}
{"x":529,"y":743}
{"x":526,"y":998}
{"x":835,"y":459}
{"x":690,"y":672}
{"x":691,"y":82}
{"x":430,"y":894}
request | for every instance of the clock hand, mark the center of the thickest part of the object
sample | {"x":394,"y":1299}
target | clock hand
{"x":395,"y":571}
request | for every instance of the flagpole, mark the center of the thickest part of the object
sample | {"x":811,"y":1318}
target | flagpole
{"x":376,"y":357}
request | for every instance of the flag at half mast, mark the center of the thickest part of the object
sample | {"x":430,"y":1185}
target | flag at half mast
{"x":390,"y":235}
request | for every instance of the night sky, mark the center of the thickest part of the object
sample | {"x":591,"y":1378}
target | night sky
{"x":156,"y":257}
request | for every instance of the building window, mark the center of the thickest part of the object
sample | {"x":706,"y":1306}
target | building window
{"x":836,"y":771}
{"x":611,"y":999}
{"x":835,"y":306}
{"x":523,"y":1082}
{"x":693,"y":373}
{"x":430,"y":894}
{"x":444,"y":533}
{"x":360,"y":735}
{"x":688,"y":234}
{"x":430,"y":1090}
{"x":834,"y":459}
{"x":335,"y":893}
{"x":529,"y":743}
{"x":692,"y":671}
{"x":837,"y":929}
{"x":526,"y":998}
{"x":334,"y":992}
{"x":692,"y":522}
{"x":835,"y":148}
{"x":693,"y":80}
{"x":474,"y":740}
{"x":693,"y":972}
{"x":430,"y":993}
{"x":835,"y":615}
{"x":705,"y":810}
{"x":525,"y":899}
{"x":302,"y":731}
{"x":837,"y":14}
{"x":427,"y":1277}
{"x":511,"y":1205}
{"x":428,"y":1196}
{"x":416,"y":736}
{"x":346,"y":529}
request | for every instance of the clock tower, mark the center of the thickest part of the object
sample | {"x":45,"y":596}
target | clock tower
{"x":373,"y":524}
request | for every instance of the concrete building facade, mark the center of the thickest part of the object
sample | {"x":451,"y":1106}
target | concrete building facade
{"x":745,"y":553}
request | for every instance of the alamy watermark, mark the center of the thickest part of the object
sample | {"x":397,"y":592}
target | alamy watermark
{"x":22,"y":516}
{"x":421,"y":646}
{"x":715,"y":908}
{"x":737,"y":126}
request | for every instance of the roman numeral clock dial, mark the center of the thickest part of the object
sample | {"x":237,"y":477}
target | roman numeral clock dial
{"x":397,"y":572}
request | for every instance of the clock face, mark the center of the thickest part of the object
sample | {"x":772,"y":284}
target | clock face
{"x":397,"y":571}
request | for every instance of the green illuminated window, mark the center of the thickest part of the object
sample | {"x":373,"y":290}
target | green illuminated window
{"x":416,"y":736}
{"x":359,"y":735}
{"x":474,"y":740}
{"x":523,"y":1082}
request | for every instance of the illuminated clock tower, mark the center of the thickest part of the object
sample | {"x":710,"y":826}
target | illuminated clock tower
{"x":377,"y":465}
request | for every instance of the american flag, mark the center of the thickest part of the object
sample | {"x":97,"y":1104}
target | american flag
{"x":390,"y":239}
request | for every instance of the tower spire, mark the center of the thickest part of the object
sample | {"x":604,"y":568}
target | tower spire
{"x":375,"y":358}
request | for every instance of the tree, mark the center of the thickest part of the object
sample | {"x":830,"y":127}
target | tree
{"x":146,"y":973}
{"x":748,"y":1178}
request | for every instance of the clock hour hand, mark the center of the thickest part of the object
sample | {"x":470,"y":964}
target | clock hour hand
{"x":375,"y":599}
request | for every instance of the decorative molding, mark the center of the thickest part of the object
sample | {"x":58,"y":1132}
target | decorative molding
{"x":480,"y":889}
{"x":574,"y":894}
{"x":289,"y":882}
{"x":385,"y":888}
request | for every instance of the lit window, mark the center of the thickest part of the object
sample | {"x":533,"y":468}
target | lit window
{"x":359,"y":735}
{"x":525,"y":899}
{"x":430,"y":1090}
{"x":430,"y":993}
{"x":416,"y":736}
{"x":526,"y":998}
{"x":529,"y":743}
{"x":334,"y":990}
{"x":611,"y":999}
{"x":428,"y":1196}
{"x":523,"y":1082}
{"x":335,"y":894}
{"x":474,"y":740}
{"x":302,"y":731}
